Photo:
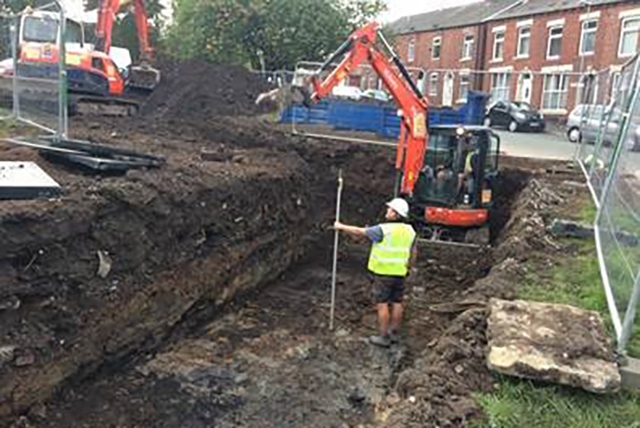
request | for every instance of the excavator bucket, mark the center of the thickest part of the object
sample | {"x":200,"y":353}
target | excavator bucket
{"x":285,"y":96}
{"x":143,"y":77}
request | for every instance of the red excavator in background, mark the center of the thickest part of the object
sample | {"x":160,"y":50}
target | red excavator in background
{"x":449,"y":185}
{"x":93,"y":76}
{"x":142,"y":76}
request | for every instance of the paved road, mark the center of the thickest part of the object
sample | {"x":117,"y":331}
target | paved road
{"x":548,"y":145}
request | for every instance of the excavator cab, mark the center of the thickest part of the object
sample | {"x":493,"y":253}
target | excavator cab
{"x":453,"y":195}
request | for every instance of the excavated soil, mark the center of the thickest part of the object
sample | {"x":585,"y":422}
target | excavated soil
{"x":196,"y":89}
{"x":215,"y":308}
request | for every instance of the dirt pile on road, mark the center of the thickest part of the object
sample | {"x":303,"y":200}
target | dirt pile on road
{"x":199,"y":90}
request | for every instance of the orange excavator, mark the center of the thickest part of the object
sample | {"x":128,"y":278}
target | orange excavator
{"x":142,"y":76}
{"x":448,"y":183}
{"x":93,"y":76}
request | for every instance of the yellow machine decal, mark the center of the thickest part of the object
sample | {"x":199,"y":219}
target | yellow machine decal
{"x":486,"y":196}
{"x":73,"y":59}
{"x":419,"y":126}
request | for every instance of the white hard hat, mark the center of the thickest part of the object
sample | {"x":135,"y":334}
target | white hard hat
{"x":400,"y":206}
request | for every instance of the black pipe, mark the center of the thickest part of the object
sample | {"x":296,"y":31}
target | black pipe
{"x":339,"y":52}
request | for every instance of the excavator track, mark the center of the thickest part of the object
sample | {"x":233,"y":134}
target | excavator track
{"x":82,"y":104}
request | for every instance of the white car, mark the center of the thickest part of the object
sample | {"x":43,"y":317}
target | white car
{"x":376,"y":94}
{"x":348,"y":92}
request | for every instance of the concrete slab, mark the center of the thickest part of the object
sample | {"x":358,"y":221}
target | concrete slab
{"x":630,"y":374}
{"x":551,"y":342}
{"x":26,"y":180}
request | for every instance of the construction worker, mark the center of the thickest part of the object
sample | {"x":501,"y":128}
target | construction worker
{"x":392,"y":253}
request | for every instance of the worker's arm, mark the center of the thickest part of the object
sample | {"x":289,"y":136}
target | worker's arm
{"x":355,"y":231}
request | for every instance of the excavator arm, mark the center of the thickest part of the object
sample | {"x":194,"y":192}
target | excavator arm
{"x":106,"y":17}
{"x":361,"y":47}
{"x":143,"y":76}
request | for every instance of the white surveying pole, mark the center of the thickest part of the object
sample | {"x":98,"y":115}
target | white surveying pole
{"x":335,"y":252}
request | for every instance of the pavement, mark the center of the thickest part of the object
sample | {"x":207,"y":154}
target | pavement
{"x":547,"y":145}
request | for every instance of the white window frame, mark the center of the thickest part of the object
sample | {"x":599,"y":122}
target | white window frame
{"x":467,"y":47}
{"x":551,"y":37}
{"x":433,"y":47}
{"x":622,"y":31}
{"x":497,"y":34}
{"x":504,"y":87}
{"x":564,"y":83}
{"x":433,"y":88}
{"x":584,"y":32}
{"x":520,"y":37}
{"x":411,"y":50}
{"x":467,"y":77}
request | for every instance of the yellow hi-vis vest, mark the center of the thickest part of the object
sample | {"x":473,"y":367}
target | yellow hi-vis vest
{"x":390,"y":257}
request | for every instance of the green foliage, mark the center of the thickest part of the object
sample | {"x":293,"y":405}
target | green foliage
{"x":282,"y":32}
{"x":520,"y":403}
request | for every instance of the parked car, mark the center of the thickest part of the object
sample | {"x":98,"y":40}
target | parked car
{"x":376,"y":94}
{"x":585,"y":121}
{"x":515,"y":116}
{"x":347,"y":92}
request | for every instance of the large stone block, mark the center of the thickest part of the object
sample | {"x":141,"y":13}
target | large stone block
{"x":551,"y":342}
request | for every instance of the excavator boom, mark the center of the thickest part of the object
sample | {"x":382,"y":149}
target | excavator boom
{"x":142,"y":76}
{"x":359,"y":48}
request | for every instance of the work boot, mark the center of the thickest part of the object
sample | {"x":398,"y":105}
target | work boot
{"x":382,"y":341}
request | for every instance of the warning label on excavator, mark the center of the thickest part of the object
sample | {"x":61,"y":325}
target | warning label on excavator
{"x":419,"y":125}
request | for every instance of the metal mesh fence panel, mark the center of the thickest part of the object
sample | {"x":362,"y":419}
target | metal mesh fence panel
{"x":618,"y":222}
{"x":586,"y":122}
{"x":614,"y":116}
{"x":40,"y":76}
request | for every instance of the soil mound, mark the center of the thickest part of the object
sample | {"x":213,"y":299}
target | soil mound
{"x":197,"y":89}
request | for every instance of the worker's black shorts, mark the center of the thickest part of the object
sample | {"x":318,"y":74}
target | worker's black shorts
{"x":387,"y":289}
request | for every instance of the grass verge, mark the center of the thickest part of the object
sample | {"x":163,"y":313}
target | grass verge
{"x":573,"y":280}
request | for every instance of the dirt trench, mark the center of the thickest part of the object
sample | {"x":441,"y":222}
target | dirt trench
{"x":244,"y":341}
{"x":215,"y":308}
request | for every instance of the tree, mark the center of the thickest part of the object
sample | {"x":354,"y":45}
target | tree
{"x":280,"y":31}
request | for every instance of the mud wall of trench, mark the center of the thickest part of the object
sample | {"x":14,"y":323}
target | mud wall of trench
{"x":172,"y":241}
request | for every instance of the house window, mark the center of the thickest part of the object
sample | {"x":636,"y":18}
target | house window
{"x":498,"y":46}
{"x":433,"y":84}
{"x":588,"y":37}
{"x":555,"y":43}
{"x":467,"y":47}
{"x":435,"y":51}
{"x":555,"y":92}
{"x":464,"y":87}
{"x":629,"y":33}
{"x":524,"y":42}
{"x":411,"y":50}
{"x":500,"y":86}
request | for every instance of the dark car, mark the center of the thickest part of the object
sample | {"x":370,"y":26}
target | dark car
{"x":515,"y":116}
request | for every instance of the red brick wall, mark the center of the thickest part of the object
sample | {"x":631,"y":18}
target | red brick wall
{"x":606,"y":49}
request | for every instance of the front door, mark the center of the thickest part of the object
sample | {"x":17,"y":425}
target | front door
{"x":447,"y":90}
{"x":524,"y":87}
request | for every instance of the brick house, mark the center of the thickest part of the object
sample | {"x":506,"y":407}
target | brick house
{"x":550,"y":53}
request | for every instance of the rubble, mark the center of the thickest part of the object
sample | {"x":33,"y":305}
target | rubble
{"x":551,"y":342}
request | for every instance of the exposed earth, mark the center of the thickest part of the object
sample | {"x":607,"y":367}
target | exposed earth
{"x":214,"y":307}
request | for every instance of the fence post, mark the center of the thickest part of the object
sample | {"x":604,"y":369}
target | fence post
{"x":13,"y":30}
{"x":62,"y":76}
{"x":629,"y":317}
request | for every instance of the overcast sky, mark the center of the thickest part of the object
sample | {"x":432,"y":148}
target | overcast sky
{"x":399,"y":8}
{"x":396,"y":8}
